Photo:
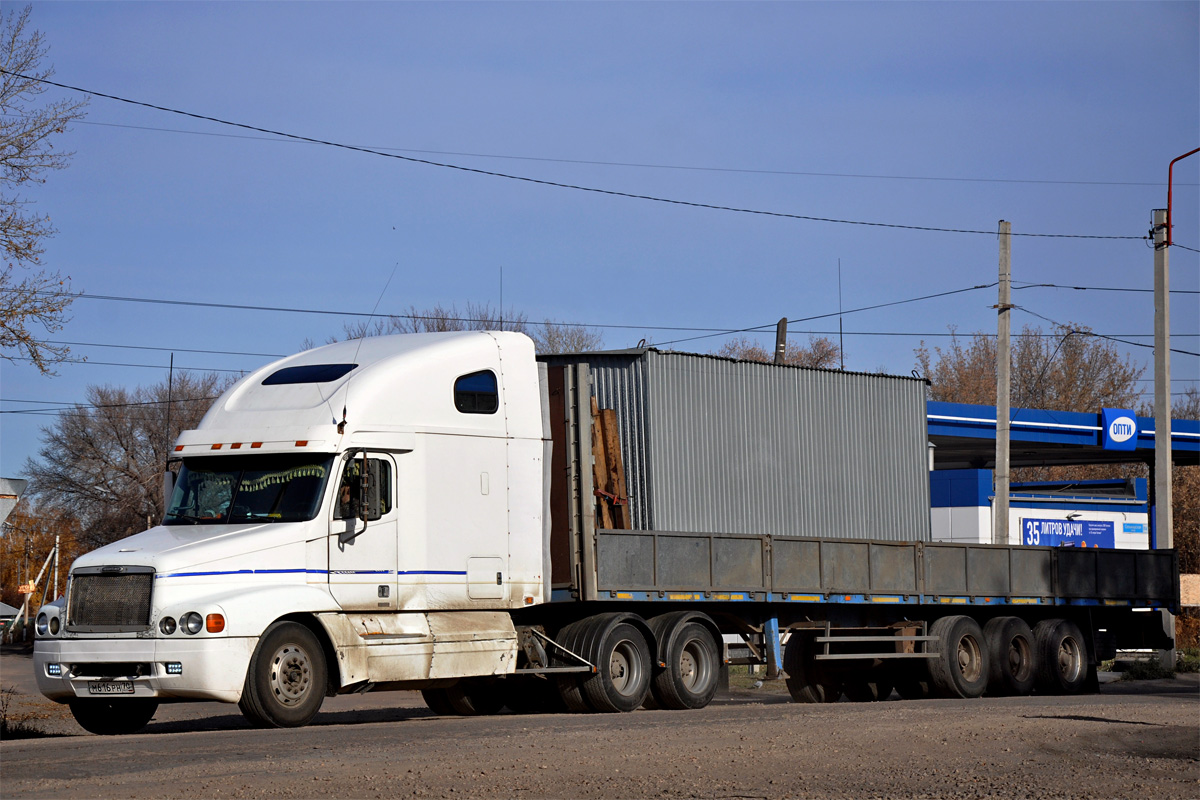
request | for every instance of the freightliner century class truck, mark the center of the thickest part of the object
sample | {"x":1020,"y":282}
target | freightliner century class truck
{"x":423,"y":512}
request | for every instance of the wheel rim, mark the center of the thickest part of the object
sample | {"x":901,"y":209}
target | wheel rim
{"x":291,"y":675}
{"x":625,"y":668}
{"x":969,"y":662}
{"x":1069,"y":661}
{"x":693,"y":666}
{"x":1019,"y":658}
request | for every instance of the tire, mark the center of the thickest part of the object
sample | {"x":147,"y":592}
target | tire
{"x":806,"y":682}
{"x":1062,"y":658}
{"x":475,"y":697}
{"x":1010,"y":645}
{"x":620,"y":652}
{"x":287,"y":678}
{"x":570,"y":686}
{"x":438,"y":702}
{"x":693,"y":668}
{"x":961,"y":669}
{"x":113,"y":717}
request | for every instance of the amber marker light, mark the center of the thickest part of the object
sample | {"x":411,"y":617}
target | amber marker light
{"x":235,"y":446}
{"x":302,"y":443}
{"x":216,"y":447}
{"x":214,"y":623}
{"x":178,"y":447}
{"x":255,"y":445}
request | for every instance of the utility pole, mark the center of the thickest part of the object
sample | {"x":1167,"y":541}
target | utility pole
{"x":1003,"y":361}
{"x":1163,"y":515}
{"x":781,"y":341}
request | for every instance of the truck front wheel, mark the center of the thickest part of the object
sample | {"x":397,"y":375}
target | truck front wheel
{"x":113,"y":717}
{"x":285,"y":684}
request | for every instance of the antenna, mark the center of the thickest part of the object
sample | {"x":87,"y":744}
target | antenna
{"x":501,"y":297}
{"x":841,"y":342}
{"x":170,"y":382}
{"x":341,"y":426}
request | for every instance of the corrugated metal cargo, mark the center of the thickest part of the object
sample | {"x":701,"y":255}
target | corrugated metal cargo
{"x":718,"y":445}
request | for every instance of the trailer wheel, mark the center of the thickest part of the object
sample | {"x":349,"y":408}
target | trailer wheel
{"x":113,"y":717}
{"x":285,"y":684}
{"x":1062,"y":662}
{"x":438,"y":702}
{"x":1010,"y":647}
{"x":622,"y":656}
{"x":693,"y":667}
{"x":806,"y":681}
{"x":961,"y":669}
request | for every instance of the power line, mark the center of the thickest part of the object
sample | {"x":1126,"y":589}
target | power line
{"x":74,"y":406}
{"x":1102,"y":336}
{"x":759,"y":328}
{"x":557,"y":184}
{"x":146,"y":366}
{"x":644,"y":165}
{"x":168,"y":349}
{"x":1099,"y":288}
{"x":1185,"y":247}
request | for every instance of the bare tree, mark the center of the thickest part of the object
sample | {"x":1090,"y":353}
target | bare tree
{"x":820,"y":352}
{"x":1068,"y":370}
{"x":102,"y":462}
{"x":548,"y":337}
{"x":30,"y":296}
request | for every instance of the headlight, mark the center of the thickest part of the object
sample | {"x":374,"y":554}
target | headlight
{"x":191,"y":622}
{"x":54,"y":626}
{"x":43,"y":624}
{"x":167,"y":625}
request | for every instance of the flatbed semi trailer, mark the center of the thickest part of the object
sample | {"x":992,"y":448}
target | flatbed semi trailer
{"x":422,"y":512}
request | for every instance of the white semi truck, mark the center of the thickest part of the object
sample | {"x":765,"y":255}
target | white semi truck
{"x":375,"y":515}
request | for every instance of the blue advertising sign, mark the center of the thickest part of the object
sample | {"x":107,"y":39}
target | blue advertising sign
{"x":1068,"y":533}
{"x":1119,"y":429}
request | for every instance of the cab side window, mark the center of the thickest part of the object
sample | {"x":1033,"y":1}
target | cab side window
{"x":476,"y":393}
{"x":374,"y":487}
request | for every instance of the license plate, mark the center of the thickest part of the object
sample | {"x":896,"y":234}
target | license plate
{"x":110,"y":687}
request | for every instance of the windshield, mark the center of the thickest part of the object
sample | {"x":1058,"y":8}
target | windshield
{"x":261,"y":488}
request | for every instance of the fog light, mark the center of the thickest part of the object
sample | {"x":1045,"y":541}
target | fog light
{"x":54,"y":626}
{"x":191,"y":622}
{"x":54,"y":669}
{"x":214,"y":623}
{"x":167,"y":625}
{"x":174,"y":668}
{"x":43,"y":625}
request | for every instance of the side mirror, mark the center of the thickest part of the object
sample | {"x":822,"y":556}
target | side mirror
{"x":168,"y":485}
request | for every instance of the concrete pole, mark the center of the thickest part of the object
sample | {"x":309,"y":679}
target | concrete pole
{"x":1003,"y":377}
{"x":1163,"y":516}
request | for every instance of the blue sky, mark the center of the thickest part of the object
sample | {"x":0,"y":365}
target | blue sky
{"x":1064,"y":117}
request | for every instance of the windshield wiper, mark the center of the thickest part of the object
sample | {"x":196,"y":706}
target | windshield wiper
{"x":192,"y":519}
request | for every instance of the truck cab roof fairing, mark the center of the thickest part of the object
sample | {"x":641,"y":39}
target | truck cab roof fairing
{"x":401,"y":383}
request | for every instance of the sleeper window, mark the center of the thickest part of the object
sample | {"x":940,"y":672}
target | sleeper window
{"x":477,"y":393}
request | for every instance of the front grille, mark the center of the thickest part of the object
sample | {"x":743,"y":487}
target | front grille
{"x":110,"y":601}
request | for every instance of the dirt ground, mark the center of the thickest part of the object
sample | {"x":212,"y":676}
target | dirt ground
{"x":1132,"y":740}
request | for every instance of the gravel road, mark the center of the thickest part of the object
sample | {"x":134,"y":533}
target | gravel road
{"x":1132,"y":740}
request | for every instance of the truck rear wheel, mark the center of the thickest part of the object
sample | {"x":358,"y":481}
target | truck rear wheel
{"x":286,"y":681}
{"x":807,"y":682}
{"x":622,"y":656}
{"x":570,"y":686}
{"x":105,"y":717}
{"x":1062,"y":661}
{"x":961,"y":669}
{"x":438,"y":702}
{"x":1010,"y":647}
{"x":693,"y":667}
